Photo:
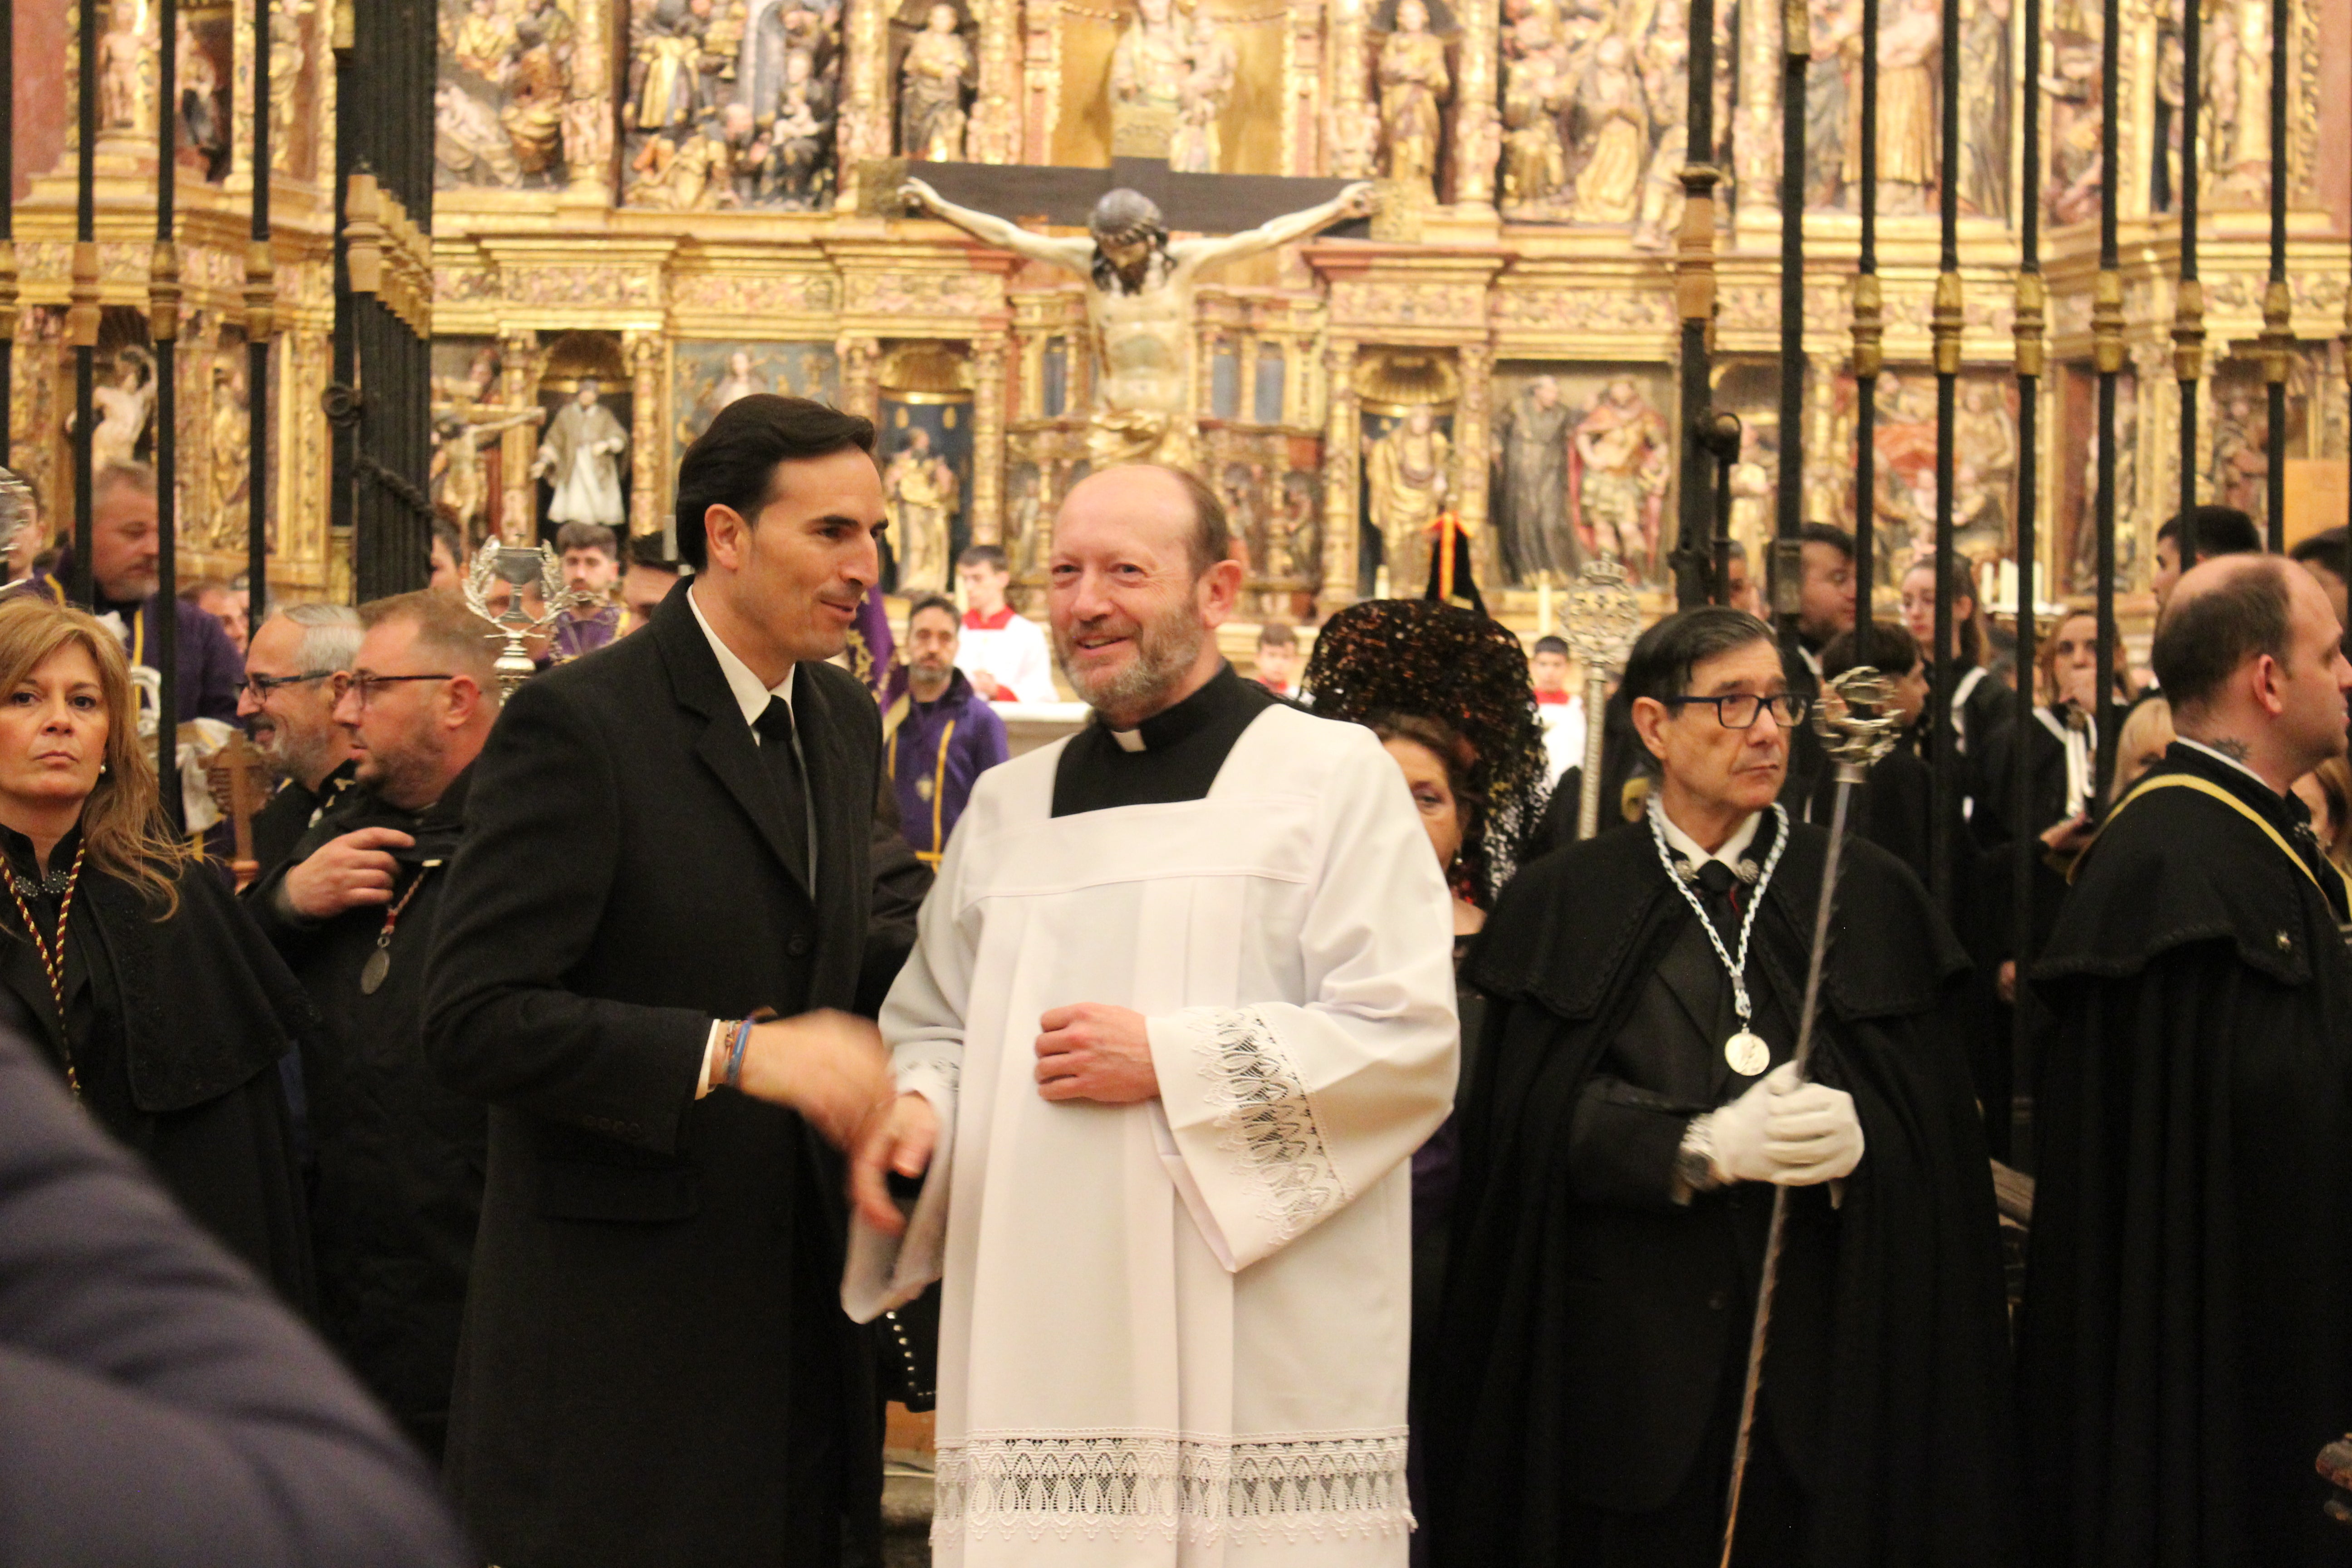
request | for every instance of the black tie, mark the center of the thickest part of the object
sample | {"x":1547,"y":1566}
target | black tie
{"x":1716,"y":881}
{"x":783,"y":761}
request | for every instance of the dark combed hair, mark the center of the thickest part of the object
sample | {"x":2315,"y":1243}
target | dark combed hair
{"x":931,"y":602}
{"x":989,"y":556}
{"x":2220,"y":530}
{"x":651,"y":552}
{"x":2203,"y":639}
{"x":445,"y":533}
{"x":1836,"y":538}
{"x":1550,"y":644}
{"x":1276,"y":634}
{"x":1399,"y":664}
{"x":1882,"y":645}
{"x":733,"y":463}
{"x":574,"y":536}
{"x":1661,"y":663}
{"x":2330,"y":549}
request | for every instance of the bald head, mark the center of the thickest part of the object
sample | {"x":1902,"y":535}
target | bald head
{"x":2249,"y":653}
{"x":1141,"y":574}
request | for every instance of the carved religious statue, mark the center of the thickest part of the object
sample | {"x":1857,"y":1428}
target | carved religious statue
{"x":1140,"y":287}
{"x":1535,"y":91}
{"x":581,"y":458}
{"x":1908,"y":55}
{"x":932,"y":83}
{"x":920,"y":490}
{"x":1171,"y":76}
{"x":1664,"y":59}
{"x":459,"y":488}
{"x":124,"y":409}
{"x":1405,"y":473}
{"x":1414,"y":87}
{"x":1613,"y":146}
{"x":123,"y":49}
{"x":1617,"y":466}
{"x":1531,"y":485}
{"x":231,"y":450}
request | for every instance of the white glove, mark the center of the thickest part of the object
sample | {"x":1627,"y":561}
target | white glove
{"x":1811,"y":1133}
{"x":1741,"y":1132}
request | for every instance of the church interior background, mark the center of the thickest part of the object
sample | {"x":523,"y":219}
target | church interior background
{"x":672,"y":202}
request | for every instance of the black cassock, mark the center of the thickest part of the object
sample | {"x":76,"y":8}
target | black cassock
{"x":1585,"y":1384}
{"x":2187,"y":1342}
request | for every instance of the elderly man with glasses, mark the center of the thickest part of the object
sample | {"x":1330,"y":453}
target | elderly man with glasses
{"x":1635,"y":1111}
{"x":295,"y":671}
{"x":399,"y":1157}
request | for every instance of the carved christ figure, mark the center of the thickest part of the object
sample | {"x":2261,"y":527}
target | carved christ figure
{"x":1140,"y":287}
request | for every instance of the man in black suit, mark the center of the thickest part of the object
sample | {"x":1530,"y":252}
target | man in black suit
{"x":663,"y":838}
{"x":157,"y":1406}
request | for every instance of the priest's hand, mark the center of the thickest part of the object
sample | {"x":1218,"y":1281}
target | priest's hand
{"x":1812,"y":1134}
{"x":896,"y":1143}
{"x":830,"y":1066}
{"x":1093,"y":1052}
{"x":345,"y":873}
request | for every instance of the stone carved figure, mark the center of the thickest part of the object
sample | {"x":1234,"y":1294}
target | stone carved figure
{"x":2071,"y":194}
{"x":122,"y":52}
{"x":460,"y":488}
{"x":920,"y":491}
{"x":1984,"y":447}
{"x":1612,"y":137}
{"x":470,"y":146}
{"x":666,"y":92}
{"x":1415,"y":87}
{"x":203,"y":106}
{"x":124,"y":409}
{"x":1665,"y":61}
{"x":1024,"y":512}
{"x":1139,"y":289}
{"x":1352,"y":134}
{"x":581,"y":458}
{"x":1407,"y":481}
{"x":1196,"y":146}
{"x":1531,"y":485}
{"x":538,"y":82}
{"x":1536,"y":88}
{"x":1984,"y":108}
{"x":934,"y":81}
{"x":1833,"y":97}
{"x":1148,"y":71}
{"x":1294,"y":536}
{"x":1909,"y":39}
{"x":740,"y":382}
{"x":1618,"y":468}
{"x":2242,"y":461}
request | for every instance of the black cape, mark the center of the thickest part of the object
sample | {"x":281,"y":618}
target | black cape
{"x":1908,"y":1447}
{"x":179,"y":1026}
{"x":2185,"y":1347}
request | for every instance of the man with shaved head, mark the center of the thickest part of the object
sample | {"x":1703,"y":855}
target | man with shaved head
{"x":2187,"y":1342}
{"x":1181,"y":1012}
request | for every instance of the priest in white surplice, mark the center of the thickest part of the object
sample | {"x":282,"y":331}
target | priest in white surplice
{"x":1182,"y":1011}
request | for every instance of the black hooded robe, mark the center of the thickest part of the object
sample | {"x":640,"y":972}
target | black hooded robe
{"x":1574,"y":1328}
{"x":2185,"y":1347}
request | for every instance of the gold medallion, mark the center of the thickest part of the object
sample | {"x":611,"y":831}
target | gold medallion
{"x":378,"y":965}
{"x":1747,"y":1053}
{"x":923,"y":789}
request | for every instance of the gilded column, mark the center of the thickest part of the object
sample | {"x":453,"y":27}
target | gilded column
{"x":1351,"y":128}
{"x":588,"y":108}
{"x":1341,"y":434}
{"x":864,"y":129}
{"x":1477,"y":126}
{"x":988,"y":438}
{"x":859,"y":392}
{"x":643,"y":352}
{"x":995,"y":134}
{"x":519,"y":503}
{"x":1472,"y":427}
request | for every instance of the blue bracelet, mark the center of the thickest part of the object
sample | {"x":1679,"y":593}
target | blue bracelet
{"x":733,"y":1076}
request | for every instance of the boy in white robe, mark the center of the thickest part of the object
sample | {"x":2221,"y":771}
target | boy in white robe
{"x":1182,"y":1011}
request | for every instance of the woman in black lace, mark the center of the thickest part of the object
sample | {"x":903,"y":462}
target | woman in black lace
{"x":126,"y":959}
{"x":1447,"y":692}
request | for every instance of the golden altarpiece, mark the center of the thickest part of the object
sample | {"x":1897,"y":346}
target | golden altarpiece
{"x":669,"y":201}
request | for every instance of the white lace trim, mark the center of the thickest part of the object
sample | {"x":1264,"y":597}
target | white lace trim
{"x":1268,"y":1121}
{"x":1163,"y":1485}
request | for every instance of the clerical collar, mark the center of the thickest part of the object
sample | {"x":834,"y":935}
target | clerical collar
{"x":1225,"y":693}
{"x":749,"y":694}
{"x":1734,"y":848}
{"x":996,"y":622}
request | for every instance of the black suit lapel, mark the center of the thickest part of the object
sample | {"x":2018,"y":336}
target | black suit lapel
{"x":726,"y":746}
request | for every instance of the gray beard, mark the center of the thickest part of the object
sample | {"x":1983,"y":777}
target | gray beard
{"x":1164,"y":650}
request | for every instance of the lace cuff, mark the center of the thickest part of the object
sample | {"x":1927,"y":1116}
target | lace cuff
{"x":1166,"y":1484}
{"x":1276,"y":1159}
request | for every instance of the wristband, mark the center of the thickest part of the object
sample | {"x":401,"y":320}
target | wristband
{"x":733,"y":1075}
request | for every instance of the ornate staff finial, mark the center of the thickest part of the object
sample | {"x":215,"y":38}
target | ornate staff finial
{"x":1856,"y":719}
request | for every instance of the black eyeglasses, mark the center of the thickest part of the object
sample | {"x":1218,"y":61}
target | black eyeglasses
{"x":372,"y":686}
{"x":1741,"y":710}
{"x":261,"y":686}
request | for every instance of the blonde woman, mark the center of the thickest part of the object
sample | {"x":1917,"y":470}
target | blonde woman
{"x":125,"y":961}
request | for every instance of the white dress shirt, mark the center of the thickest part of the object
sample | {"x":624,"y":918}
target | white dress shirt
{"x":1684,"y":845}
{"x":752,"y":697}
